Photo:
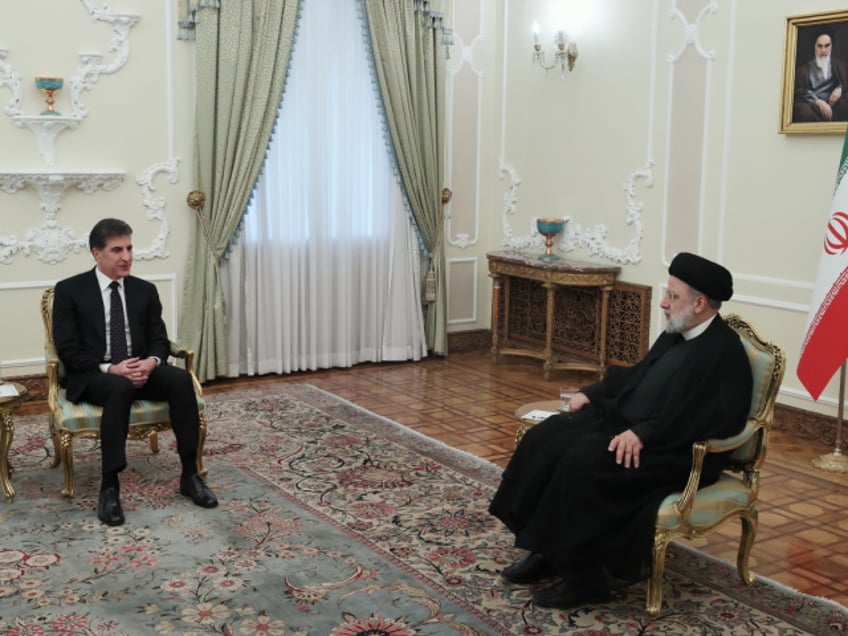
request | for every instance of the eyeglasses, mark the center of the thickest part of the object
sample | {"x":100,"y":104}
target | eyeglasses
{"x":671,"y":296}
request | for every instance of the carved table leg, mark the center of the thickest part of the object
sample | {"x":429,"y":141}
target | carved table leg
{"x":602,"y":353}
{"x":549,"y":329}
{"x":496,"y":300}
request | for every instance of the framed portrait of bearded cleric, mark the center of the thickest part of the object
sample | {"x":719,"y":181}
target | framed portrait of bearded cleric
{"x":815,"y":74}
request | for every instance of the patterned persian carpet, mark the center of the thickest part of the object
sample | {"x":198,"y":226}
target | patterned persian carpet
{"x":333,"y":521}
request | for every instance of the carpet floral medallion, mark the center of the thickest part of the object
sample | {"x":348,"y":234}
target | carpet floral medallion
{"x":332,"y":521}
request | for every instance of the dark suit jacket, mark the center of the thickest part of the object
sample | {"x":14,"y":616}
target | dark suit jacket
{"x":79,"y":326}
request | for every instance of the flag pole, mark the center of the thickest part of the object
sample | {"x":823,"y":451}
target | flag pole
{"x":835,"y":462}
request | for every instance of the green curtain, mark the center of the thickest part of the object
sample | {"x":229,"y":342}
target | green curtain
{"x":242,"y":54}
{"x":410,"y":70}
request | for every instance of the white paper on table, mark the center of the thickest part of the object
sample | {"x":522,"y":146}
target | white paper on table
{"x":7,"y":390}
{"x":537,"y":415}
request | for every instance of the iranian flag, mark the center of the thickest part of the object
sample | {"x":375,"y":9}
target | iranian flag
{"x":825,"y":346}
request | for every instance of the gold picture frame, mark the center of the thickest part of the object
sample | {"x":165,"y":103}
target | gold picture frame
{"x":798,"y":114}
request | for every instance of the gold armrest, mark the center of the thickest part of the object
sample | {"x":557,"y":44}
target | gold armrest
{"x":187,"y":355}
{"x":732,"y":443}
{"x":699,"y":451}
{"x":51,"y":360}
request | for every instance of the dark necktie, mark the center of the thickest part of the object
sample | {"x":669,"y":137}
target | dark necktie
{"x":117,"y":331}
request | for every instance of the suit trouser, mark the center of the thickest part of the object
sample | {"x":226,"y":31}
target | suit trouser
{"x":116,"y":394}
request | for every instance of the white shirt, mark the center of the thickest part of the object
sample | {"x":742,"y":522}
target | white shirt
{"x":697,"y":330}
{"x":106,"y":291}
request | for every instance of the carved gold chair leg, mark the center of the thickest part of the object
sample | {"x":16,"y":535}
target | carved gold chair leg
{"x":201,"y":442}
{"x":655,"y":583}
{"x":57,"y":443}
{"x":749,"y":533}
{"x":67,"y":455}
{"x":153,"y":438}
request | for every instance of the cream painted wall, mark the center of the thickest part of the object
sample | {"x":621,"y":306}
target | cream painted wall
{"x":669,"y":119}
{"x":133,"y":116}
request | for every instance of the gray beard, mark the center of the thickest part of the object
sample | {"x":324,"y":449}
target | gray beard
{"x":823,"y":64}
{"x":680,"y":323}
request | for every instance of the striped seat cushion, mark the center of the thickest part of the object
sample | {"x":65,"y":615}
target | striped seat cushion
{"x":86,"y":417}
{"x":712,"y":503}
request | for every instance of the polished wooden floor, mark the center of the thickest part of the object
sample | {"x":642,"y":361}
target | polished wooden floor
{"x":469,"y":402}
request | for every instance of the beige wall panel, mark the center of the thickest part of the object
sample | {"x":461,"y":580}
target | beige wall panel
{"x":685,"y":167}
{"x":463,"y":209}
{"x":462,"y":283}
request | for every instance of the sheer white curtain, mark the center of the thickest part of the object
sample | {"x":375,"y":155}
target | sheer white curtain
{"x":327,"y":270}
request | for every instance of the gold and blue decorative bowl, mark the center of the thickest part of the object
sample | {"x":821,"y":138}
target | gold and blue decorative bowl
{"x":549,"y":228}
{"x":49,"y":83}
{"x":48,"y":86}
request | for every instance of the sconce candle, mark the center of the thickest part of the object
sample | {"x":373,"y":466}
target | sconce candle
{"x":48,"y":86}
{"x":565,"y":51}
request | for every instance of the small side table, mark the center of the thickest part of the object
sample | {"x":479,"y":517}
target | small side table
{"x":526,"y":424}
{"x":8,"y":405}
{"x":550,"y":274}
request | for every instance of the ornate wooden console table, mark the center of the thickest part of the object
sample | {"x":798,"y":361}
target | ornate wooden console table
{"x":569,"y":300}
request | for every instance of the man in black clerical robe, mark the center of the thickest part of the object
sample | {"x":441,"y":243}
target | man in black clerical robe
{"x":582,"y":490}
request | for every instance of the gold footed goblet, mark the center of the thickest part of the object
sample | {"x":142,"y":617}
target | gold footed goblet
{"x":49,"y":86}
{"x":549,"y":228}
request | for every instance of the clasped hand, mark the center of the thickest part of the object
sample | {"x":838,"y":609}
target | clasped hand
{"x":136,"y":370}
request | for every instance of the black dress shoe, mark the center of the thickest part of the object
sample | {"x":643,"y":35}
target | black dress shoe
{"x":570,"y":593}
{"x":196,"y":489}
{"x":533,"y":568}
{"x":109,"y":509}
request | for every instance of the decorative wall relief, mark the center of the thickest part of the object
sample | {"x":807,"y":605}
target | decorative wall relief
{"x":10,"y":78}
{"x":592,"y":239}
{"x":462,"y":215}
{"x":91,"y":67}
{"x":47,"y":127}
{"x":533,"y":239}
{"x":156,"y":208}
{"x":690,"y":32}
{"x":51,"y":242}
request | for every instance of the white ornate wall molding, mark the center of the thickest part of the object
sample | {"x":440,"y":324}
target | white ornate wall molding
{"x":47,"y":127}
{"x":156,"y":208}
{"x":593,"y":239}
{"x":91,"y":67}
{"x":51,"y":242}
{"x":12,"y":79}
{"x":510,"y":197}
{"x":690,"y":33}
{"x":460,"y":239}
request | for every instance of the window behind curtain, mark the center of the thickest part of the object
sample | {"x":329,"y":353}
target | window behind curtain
{"x":328,"y":271}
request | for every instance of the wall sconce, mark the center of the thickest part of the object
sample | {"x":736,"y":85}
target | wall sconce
{"x":565,"y":52}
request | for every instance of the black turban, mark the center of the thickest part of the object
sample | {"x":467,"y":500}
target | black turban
{"x":711,"y":279}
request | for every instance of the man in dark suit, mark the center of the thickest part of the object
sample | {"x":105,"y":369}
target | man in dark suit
{"x":109,"y":334}
{"x":582,"y":489}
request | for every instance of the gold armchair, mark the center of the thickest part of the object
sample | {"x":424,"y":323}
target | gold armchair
{"x":696,"y":512}
{"x":69,"y":421}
